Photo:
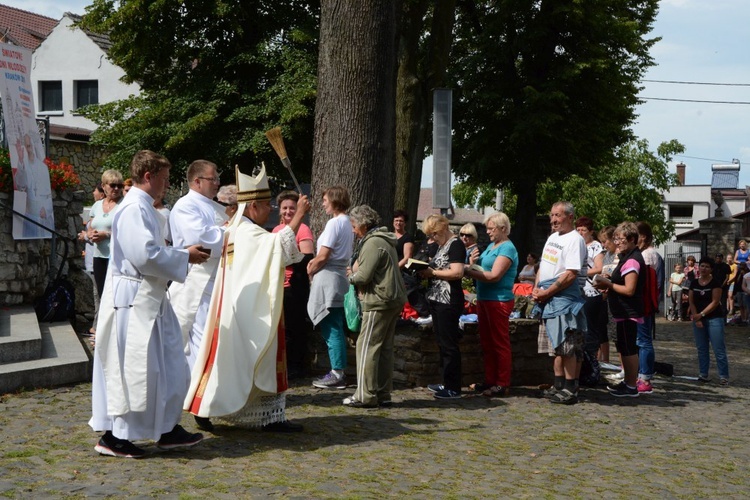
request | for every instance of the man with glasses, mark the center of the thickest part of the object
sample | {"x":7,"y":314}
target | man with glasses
{"x":558,"y":294}
{"x":197,"y":220}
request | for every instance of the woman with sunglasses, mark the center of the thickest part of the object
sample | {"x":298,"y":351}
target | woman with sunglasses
{"x":468,"y":235}
{"x":100,"y":228}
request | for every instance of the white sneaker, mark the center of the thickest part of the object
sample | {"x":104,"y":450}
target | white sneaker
{"x":426,"y":321}
{"x":620,"y":375}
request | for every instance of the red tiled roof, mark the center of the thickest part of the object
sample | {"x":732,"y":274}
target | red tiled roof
{"x":24,"y":28}
{"x":455,"y":216}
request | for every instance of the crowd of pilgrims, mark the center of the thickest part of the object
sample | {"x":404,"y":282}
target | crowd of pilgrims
{"x":396,"y":278}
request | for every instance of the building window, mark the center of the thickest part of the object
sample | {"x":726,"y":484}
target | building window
{"x":87,"y":92}
{"x":51,"y":96}
{"x":681,"y":215}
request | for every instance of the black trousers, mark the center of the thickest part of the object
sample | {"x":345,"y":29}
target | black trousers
{"x":100,"y":274}
{"x":297,"y":328}
{"x":448,"y":334}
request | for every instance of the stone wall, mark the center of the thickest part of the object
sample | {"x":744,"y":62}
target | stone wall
{"x":85,"y":158}
{"x":25,"y":264}
{"x":720,"y":234}
{"x":417,"y":361}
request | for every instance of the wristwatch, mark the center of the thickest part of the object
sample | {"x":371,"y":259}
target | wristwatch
{"x":703,"y":315}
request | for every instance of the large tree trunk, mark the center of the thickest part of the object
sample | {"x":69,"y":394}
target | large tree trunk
{"x":420,"y":70}
{"x":354,"y":144}
{"x":522,"y":232}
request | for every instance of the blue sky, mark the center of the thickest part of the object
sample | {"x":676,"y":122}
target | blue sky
{"x":702,"y":41}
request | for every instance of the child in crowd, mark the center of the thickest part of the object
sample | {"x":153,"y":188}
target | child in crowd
{"x":674,"y":291}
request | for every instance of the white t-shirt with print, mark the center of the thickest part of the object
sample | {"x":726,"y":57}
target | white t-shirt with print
{"x":562,"y":253}
{"x":592,"y":250}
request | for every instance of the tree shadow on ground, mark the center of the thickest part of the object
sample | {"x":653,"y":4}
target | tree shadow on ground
{"x":320,"y":432}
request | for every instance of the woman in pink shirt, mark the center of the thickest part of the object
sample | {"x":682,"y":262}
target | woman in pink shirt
{"x":296,"y":288}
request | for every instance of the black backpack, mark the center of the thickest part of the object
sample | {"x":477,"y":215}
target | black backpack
{"x":57,"y":303}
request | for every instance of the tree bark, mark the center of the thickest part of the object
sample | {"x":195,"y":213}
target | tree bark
{"x":522,"y":233}
{"x":420,"y":70}
{"x":354,"y":143}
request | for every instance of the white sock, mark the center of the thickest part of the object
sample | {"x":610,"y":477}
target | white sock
{"x":338,"y":373}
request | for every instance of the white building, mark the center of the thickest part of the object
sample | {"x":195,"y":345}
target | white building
{"x":687,"y":204}
{"x":70,"y":69}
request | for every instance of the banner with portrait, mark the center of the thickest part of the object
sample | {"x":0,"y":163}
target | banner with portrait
{"x":32,"y":193}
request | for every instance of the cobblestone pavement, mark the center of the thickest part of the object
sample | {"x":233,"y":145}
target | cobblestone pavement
{"x":686,"y":440}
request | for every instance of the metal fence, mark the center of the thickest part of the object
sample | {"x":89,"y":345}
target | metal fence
{"x":676,"y":252}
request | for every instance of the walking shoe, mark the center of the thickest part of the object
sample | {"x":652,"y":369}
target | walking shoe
{"x":703,"y":378}
{"x":564,"y":397}
{"x":435,"y":387}
{"x":385,"y":404}
{"x":550,"y":392}
{"x":447,"y":394}
{"x":644,"y":387}
{"x":204,"y":423}
{"x":614,"y":387}
{"x":724,"y":381}
{"x":330,"y":381}
{"x":619,"y":375}
{"x":179,"y":438}
{"x":114,"y":447}
{"x":426,"y":321}
{"x":622,"y":390}
{"x":352,"y":402}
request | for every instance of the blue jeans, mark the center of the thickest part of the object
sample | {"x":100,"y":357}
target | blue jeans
{"x":712,"y":331}
{"x":332,"y":330}
{"x":645,"y":342}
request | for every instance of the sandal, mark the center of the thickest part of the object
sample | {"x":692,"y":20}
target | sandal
{"x":479,"y":387}
{"x":496,"y":391}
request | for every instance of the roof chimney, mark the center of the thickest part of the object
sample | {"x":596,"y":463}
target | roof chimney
{"x":680,"y":173}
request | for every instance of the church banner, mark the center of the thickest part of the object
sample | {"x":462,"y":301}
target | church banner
{"x":32,"y":194}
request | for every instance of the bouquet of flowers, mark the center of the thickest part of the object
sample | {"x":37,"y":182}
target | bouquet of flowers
{"x":61,"y":175}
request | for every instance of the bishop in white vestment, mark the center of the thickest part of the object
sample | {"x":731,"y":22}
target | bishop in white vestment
{"x":140,"y":374}
{"x":240,"y":371}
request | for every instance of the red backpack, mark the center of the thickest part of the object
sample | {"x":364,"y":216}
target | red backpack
{"x":650,"y":292}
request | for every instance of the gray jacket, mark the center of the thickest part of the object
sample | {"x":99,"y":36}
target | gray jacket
{"x":378,"y":278}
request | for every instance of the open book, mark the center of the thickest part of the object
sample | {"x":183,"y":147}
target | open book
{"x":416,"y":265}
{"x":599,"y":279}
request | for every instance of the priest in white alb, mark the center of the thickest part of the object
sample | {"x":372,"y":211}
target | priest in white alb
{"x":140,"y":374}
{"x":197,"y":220}
{"x":240,"y":370}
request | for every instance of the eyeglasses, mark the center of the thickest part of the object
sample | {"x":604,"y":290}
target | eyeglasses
{"x":215,"y":180}
{"x":464,"y":235}
{"x":619,"y":240}
{"x":116,"y":186}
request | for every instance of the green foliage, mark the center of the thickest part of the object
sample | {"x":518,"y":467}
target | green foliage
{"x":469,"y":195}
{"x":215,"y":74}
{"x":627,"y":189}
{"x":545,"y":90}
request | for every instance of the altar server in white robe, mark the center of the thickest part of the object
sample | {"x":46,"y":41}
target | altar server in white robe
{"x":197,"y":220}
{"x":240,"y":371}
{"x":140,"y":374}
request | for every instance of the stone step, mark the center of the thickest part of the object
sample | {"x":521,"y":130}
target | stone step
{"x":63,"y":360}
{"x":20,"y":337}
